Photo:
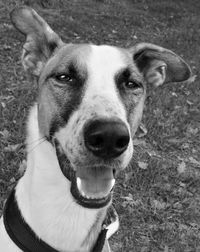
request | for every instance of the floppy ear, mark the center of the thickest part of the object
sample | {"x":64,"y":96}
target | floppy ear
{"x":41,"y":40}
{"x":160,"y":65}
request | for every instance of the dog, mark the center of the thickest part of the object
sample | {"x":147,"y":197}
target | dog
{"x":79,"y":136}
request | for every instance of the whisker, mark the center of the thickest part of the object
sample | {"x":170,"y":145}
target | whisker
{"x":36,"y":140}
{"x":40,"y":142}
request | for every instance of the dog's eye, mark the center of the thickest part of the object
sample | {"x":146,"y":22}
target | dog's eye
{"x":132,"y":85}
{"x":64,"y":78}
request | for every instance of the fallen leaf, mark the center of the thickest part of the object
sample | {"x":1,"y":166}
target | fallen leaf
{"x":152,"y":153}
{"x":7,"y":26}
{"x":166,"y":249}
{"x":192,"y":130}
{"x":159,"y":205}
{"x":130,"y":201}
{"x":181,"y":167}
{"x":5,"y":133}
{"x":128,"y":198}
{"x":12,"y":147}
{"x":128,"y":176}
{"x":12,"y":180}
{"x":191,"y":79}
{"x":189,"y":102}
{"x":22,"y":167}
{"x":3,"y":104}
{"x":175,"y":140}
{"x":143,"y":165}
{"x":6,"y":98}
{"x":194,"y":161}
{"x":144,"y":249}
{"x":185,"y":146}
{"x":182,"y":227}
{"x":142,"y":130}
{"x":177,"y":205}
{"x":181,"y":184}
{"x":6,"y":47}
{"x":2,"y":181}
{"x":137,"y":141}
{"x":174,"y":94}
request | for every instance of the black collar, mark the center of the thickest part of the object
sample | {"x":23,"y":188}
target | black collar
{"x":24,"y":237}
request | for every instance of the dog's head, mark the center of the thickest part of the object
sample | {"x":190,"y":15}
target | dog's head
{"x":91,"y":100}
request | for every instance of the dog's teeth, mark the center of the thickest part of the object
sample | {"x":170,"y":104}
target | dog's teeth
{"x":79,"y":186}
{"x":112,"y":183}
{"x":83,"y":194}
{"x":78,"y":182}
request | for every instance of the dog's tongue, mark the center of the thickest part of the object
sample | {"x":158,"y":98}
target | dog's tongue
{"x":95,"y":182}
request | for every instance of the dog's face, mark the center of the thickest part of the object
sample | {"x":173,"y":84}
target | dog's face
{"x":95,"y":96}
{"x":91,"y":100}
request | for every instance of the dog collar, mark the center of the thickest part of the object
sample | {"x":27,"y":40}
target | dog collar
{"x":24,"y":237}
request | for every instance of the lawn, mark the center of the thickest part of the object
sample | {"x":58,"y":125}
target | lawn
{"x":158,"y":196}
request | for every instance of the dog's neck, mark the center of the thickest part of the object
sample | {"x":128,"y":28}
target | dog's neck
{"x":44,"y":198}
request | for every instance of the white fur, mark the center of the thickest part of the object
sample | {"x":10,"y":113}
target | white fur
{"x":44,"y":198}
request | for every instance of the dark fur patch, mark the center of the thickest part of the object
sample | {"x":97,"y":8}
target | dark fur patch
{"x":60,"y":98}
{"x":61,"y":119}
{"x":70,"y":104}
{"x":129,"y":97}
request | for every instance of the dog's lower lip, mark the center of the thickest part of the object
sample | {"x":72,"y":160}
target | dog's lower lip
{"x":96,"y":195}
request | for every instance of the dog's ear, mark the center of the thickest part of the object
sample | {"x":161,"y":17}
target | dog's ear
{"x":41,"y":40}
{"x":160,"y":65}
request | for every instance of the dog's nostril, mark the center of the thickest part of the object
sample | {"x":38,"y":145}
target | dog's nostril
{"x":106,"y":138}
{"x":96,"y":140}
{"x":122,"y":142}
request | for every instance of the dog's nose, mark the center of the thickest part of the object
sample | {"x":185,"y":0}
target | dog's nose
{"x":106,"y":138}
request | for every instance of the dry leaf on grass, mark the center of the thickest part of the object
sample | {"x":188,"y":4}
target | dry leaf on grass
{"x":137,"y":142}
{"x":3,"y":104}
{"x":22,"y":167}
{"x":128,"y":176}
{"x":159,"y":205}
{"x":194,"y":161}
{"x":142,"y":130}
{"x":12,"y":147}
{"x":143,"y":165}
{"x":5,"y":133}
{"x":181,"y":167}
{"x":128,"y":198}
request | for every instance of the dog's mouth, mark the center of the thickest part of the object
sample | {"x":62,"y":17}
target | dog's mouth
{"x":91,"y":186}
{"x":94,"y":188}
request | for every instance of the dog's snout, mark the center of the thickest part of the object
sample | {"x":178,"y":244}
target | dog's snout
{"x":106,"y":138}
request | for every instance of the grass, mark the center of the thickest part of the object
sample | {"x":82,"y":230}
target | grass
{"x":159,"y":202}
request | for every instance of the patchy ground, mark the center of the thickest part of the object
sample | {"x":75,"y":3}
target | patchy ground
{"x":158,"y":197}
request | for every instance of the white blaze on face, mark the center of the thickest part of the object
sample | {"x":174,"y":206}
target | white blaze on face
{"x":102,"y":66}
